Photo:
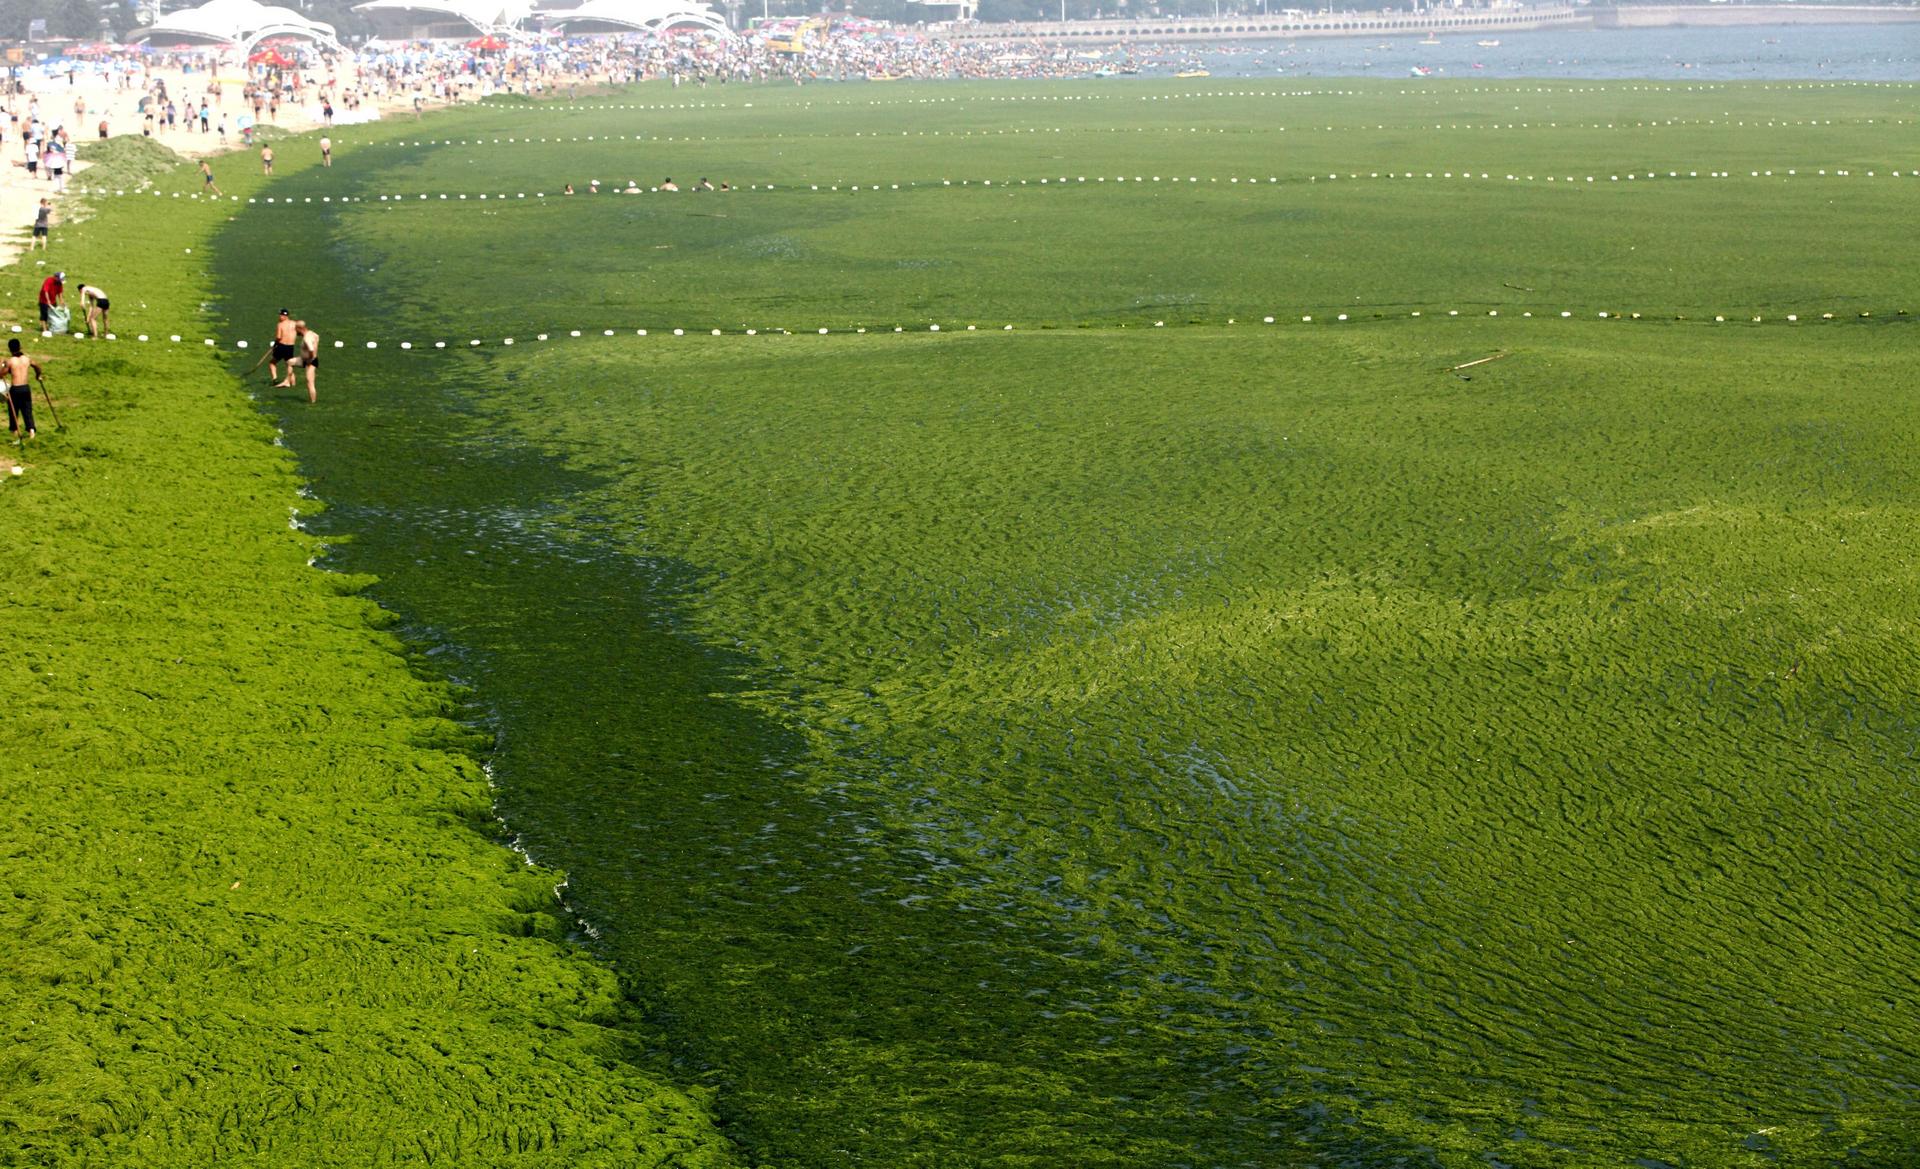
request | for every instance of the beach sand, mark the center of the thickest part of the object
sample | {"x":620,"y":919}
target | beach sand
{"x":20,"y":194}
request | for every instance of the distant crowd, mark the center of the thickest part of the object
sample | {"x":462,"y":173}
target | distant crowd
{"x":419,"y":74}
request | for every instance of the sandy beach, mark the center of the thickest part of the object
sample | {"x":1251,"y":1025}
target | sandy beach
{"x":82,"y":105}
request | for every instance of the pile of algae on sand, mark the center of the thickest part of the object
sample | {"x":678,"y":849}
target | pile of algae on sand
{"x":256,"y":907}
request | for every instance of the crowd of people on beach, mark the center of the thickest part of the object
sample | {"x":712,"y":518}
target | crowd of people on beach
{"x":419,"y":74}
{"x":182,"y":96}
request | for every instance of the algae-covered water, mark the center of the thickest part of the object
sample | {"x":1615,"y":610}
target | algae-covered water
{"x":1154,"y":736}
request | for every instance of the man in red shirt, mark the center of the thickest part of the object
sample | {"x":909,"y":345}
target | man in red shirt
{"x":51,"y":290}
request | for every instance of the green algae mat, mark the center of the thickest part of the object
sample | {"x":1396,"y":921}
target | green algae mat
{"x":257,"y":909}
{"x":1208,"y":723}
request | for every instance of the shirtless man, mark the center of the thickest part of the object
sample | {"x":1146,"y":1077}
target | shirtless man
{"x":284,"y":336}
{"x":19,"y":393}
{"x":326,"y":150}
{"x":95,"y":300}
{"x":308,"y":358}
{"x":266,"y":159}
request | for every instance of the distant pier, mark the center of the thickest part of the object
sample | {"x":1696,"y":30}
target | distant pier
{"x":1474,"y":22}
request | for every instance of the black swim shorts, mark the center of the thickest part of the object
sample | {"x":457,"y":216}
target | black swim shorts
{"x":282,"y":352}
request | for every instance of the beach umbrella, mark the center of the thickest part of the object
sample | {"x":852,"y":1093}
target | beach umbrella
{"x":271,"y":57}
{"x":487,"y":44}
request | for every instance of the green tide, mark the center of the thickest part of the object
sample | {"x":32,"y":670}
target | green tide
{"x":1154,"y":735}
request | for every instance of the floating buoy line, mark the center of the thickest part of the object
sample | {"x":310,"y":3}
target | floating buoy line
{"x":1396,"y":127}
{"x":1429,"y":92}
{"x":1581,"y":178}
{"x":1275,"y":319}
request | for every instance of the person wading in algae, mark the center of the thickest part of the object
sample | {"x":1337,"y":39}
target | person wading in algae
{"x":282,"y":350}
{"x":308,"y":357}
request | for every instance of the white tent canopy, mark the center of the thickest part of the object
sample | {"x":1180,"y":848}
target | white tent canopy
{"x":420,"y":19}
{"x":619,"y":16}
{"x":238,"y":23}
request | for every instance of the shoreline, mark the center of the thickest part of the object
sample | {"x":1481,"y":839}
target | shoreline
{"x":102,"y":101}
{"x":263,"y":910}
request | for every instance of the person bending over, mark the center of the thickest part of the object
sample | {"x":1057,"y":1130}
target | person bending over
{"x":95,"y":302}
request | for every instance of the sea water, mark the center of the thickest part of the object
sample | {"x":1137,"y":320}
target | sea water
{"x":1863,"y":52}
{"x":1294,"y":904}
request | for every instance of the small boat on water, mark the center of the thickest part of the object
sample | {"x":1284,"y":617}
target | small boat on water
{"x":1488,"y":44}
{"x":1420,"y":71}
{"x":1193,"y":73}
{"x":1431,"y":40}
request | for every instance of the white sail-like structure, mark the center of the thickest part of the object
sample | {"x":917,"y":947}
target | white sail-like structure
{"x":417,"y":20}
{"x":629,"y":16}
{"x":240,"y":24}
